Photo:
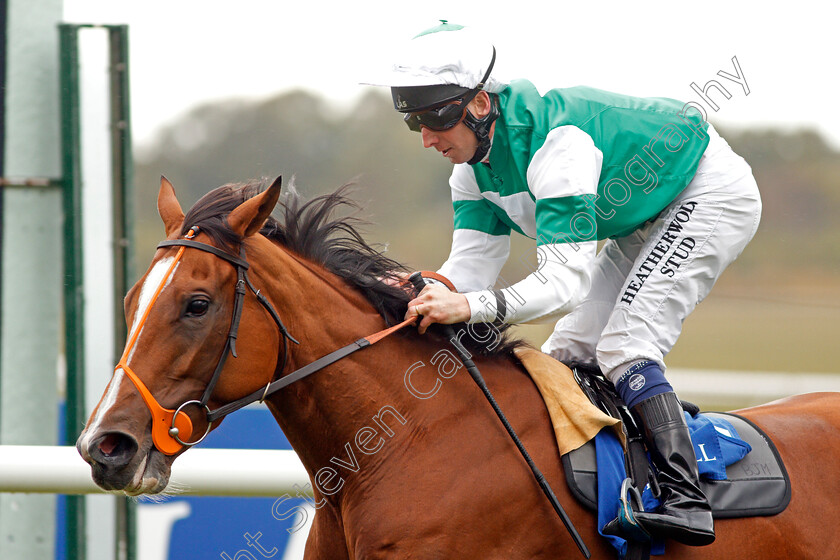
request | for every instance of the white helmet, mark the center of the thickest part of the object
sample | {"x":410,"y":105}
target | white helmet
{"x":437,"y":74}
{"x":453,"y":57}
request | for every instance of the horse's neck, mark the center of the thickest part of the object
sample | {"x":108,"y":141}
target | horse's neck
{"x":326,"y":410}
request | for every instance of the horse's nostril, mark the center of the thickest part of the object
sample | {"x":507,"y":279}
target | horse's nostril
{"x":114,"y":449}
{"x":108,"y":444}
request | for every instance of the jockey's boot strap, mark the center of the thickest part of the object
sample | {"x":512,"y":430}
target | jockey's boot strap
{"x":684,"y":513}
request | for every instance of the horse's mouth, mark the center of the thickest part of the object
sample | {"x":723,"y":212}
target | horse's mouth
{"x":147,"y":479}
{"x":150,"y":476}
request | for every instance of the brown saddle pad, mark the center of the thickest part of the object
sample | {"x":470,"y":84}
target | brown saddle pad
{"x":573,"y":416}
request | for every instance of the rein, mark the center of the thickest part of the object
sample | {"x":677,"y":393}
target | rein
{"x":172,"y":428}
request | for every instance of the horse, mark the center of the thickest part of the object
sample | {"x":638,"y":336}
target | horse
{"x":405,"y":456}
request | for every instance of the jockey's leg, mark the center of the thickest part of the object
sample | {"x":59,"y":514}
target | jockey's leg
{"x":684,"y":514}
{"x":686,"y":249}
{"x":576,"y":335}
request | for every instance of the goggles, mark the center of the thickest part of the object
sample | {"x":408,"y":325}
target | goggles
{"x":441,"y":118}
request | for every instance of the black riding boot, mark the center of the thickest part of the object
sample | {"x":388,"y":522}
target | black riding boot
{"x":684,"y":514}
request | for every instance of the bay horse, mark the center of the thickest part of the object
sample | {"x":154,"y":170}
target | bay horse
{"x":405,"y":456}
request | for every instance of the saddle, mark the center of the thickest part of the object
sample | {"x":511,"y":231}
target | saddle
{"x":755,"y":485}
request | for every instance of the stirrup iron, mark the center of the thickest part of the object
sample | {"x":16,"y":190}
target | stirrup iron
{"x":628,"y":525}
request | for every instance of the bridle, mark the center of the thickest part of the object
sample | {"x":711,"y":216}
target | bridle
{"x":171,"y":429}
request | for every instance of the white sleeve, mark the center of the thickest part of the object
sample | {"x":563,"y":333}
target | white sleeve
{"x":480,"y":246}
{"x":475,"y":260}
{"x":567,"y":164}
{"x":562,"y":171}
{"x":561,"y":279}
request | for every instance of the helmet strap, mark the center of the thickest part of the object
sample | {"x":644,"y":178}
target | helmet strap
{"x":481,"y":129}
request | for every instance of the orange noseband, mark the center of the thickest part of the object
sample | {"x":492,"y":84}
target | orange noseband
{"x":169,"y":428}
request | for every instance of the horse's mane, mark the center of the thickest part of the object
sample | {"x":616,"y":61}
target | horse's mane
{"x":312,"y":230}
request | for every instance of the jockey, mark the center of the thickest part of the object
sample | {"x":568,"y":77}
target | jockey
{"x":669,"y":199}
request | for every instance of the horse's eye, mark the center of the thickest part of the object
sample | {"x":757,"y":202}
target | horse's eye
{"x":197,"y":307}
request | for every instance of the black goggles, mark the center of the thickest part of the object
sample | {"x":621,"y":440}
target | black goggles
{"x":441,"y":118}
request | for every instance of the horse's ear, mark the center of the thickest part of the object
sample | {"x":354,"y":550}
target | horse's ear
{"x":248,"y":218}
{"x":169,"y":208}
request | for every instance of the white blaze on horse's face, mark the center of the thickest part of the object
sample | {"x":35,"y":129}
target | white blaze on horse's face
{"x":147,"y":291}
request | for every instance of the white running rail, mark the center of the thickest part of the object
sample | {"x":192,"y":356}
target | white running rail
{"x":206,"y":472}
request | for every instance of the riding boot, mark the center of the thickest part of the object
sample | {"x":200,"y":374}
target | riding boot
{"x":684,"y":513}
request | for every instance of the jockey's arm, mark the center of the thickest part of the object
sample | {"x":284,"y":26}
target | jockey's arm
{"x":566,"y":168}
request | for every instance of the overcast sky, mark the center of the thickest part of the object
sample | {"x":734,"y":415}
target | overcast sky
{"x":187,"y":52}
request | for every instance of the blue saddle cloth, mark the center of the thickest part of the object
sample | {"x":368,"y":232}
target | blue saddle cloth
{"x":716,"y":444}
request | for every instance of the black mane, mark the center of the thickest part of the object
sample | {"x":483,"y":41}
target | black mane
{"x":312,"y":230}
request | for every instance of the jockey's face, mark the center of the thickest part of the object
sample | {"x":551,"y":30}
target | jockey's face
{"x":458,"y":144}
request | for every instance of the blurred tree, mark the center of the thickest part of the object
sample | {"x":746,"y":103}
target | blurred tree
{"x":400,"y":186}
{"x":797,"y":173}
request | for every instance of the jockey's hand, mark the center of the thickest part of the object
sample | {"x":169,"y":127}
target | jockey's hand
{"x":436,"y":304}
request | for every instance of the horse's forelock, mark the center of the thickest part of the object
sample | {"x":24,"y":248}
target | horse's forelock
{"x":211,"y":210}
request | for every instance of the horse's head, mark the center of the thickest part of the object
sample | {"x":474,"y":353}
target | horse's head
{"x":183,"y":318}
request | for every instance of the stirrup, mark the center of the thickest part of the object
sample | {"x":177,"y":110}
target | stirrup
{"x":625,"y":522}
